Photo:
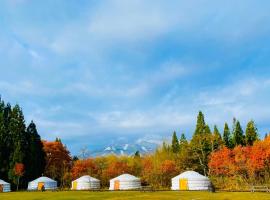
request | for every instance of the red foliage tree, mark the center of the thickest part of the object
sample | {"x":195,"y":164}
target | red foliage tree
{"x":222,"y":162}
{"x":18,"y":171}
{"x":168,"y":167}
{"x":116,"y":168}
{"x":58,"y":160}
{"x":83,"y":167}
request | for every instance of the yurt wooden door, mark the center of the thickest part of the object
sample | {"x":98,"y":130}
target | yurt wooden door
{"x":183,"y":184}
{"x":116,"y":185}
{"x":75,"y":184}
{"x":1,"y":188}
{"x":40,"y":185}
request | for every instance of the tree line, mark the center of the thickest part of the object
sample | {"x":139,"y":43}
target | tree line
{"x":172,"y":158}
{"x":21,"y":150}
{"x":24,"y":156}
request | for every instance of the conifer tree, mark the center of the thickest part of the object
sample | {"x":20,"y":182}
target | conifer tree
{"x":200,"y":126}
{"x":251,"y":133}
{"x":137,"y":154}
{"x":216,"y":139}
{"x":19,"y":141}
{"x":201,"y":144}
{"x":35,"y":161}
{"x":238,"y":136}
{"x":227,"y":139}
{"x":175,"y":143}
{"x":183,"y":141}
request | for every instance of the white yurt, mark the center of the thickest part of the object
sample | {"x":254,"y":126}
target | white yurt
{"x":125,"y":182}
{"x":85,"y":183}
{"x":4,"y":186}
{"x":191,"y":180}
{"x":39,"y":183}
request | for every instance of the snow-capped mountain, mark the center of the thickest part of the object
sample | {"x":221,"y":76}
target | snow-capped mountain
{"x":122,"y":147}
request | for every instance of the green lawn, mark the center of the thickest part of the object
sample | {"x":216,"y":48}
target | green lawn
{"x":170,"y":195}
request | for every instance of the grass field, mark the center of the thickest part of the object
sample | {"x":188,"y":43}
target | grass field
{"x":170,"y":195}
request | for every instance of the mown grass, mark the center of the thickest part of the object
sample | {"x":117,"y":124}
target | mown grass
{"x":169,"y":195}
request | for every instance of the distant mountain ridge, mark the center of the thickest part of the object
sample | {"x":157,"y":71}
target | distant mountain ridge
{"x":122,"y":147}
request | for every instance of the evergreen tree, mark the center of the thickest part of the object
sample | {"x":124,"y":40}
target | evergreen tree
{"x":201,"y":144}
{"x":183,"y":141}
{"x":200,"y":126}
{"x":3,"y":151}
{"x":251,"y":133}
{"x":175,"y":143}
{"x":165,"y":148}
{"x":216,"y":139}
{"x":227,"y":139}
{"x":137,"y":154}
{"x":15,"y":146}
{"x":35,"y":161}
{"x":19,"y":141}
{"x":238,"y":136}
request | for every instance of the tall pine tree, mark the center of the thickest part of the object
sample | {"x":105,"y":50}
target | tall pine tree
{"x":183,"y":141}
{"x":238,"y":135}
{"x":251,"y":133}
{"x":201,"y":144}
{"x":19,"y":141}
{"x":35,"y":162}
{"x":227,"y":139}
{"x":216,"y":139}
{"x":175,"y":143}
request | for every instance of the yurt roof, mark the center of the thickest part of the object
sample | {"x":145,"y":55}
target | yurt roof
{"x":125,"y":177}
{"x":86,"y":178}
{"x":3,"y":182}
{"x":191,"y":175}
{"x":43,"y":179}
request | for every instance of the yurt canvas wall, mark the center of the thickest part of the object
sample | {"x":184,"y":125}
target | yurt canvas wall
{"x":4,"y":186}
{"x":85,"y":183}
{"x":191,"y":180}
{"x":125,"y":182}
{"x":45,"y":182}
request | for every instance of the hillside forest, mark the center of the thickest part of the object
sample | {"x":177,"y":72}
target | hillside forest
{"x":234,"y":158}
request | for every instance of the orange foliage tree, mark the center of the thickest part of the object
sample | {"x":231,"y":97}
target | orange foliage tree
{"x":250,"y":164}
{"x":58,"y":161}
{"x":222,"y":162}
{"x":18,"y":172}
{"x":167,"y":170}
{"x":83,"y":167}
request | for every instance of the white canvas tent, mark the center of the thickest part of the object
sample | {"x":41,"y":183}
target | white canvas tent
{"x":85,"y":183}
{"x":191,"y":180}
{"x":4,"y":186}
{"x":125,"y":182}
{"x":39,"y":183}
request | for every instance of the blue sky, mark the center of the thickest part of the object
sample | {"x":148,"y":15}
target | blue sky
{"x":93,"y":71}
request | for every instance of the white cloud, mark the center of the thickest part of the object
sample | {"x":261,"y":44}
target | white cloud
{"x":244,"y":99}
{"x":25,"y":87}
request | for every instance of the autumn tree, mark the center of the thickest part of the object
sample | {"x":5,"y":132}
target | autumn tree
{"x":58,"y":160}
{"x":168,"y":170}
{"x":18,"y":172}
{"x":83,"y":167}
{"x":221,"y":162}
